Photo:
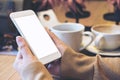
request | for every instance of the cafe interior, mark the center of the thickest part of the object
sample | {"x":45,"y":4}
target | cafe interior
{"x":50,"y":13}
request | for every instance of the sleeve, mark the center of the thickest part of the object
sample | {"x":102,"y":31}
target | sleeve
{"x":35,"y":71}
{"x":77,"y":66}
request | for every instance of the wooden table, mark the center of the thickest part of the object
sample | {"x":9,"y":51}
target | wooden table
{"x":7,"y":72}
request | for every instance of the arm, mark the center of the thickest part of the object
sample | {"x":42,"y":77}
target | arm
{"x":73,"y":63}
{"x":77,"y":66}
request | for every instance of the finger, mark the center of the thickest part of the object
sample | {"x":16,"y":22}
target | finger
{"x":17,"y":60}
{"x":60,"y":44}
{"x":53,"y":36}
{"x":56,"y":40}
{"x":24,"y":49}
{"x":19,"y":56}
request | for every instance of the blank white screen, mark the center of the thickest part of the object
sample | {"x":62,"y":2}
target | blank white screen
{"x":36,"y":36}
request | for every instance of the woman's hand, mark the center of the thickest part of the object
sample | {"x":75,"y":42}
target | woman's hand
{"x":24,"y":56}
{"x":54,"y":67}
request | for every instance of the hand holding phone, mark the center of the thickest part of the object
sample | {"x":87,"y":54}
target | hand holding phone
{"x":40,"y":43}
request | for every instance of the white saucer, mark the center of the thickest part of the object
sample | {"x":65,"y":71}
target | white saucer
{"x":94,"y":50}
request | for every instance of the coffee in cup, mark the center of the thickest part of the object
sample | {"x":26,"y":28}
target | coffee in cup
{"x":107,"y":36}
{"x":72,"y":35}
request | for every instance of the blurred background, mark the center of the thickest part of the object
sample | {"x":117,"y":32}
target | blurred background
{"x":90,"y":13}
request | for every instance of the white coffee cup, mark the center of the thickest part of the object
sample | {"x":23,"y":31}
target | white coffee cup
{"x":107,"y":36}
{"x":72,"y":35}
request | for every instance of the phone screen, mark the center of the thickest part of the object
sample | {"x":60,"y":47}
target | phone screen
{"x":36,"y":36}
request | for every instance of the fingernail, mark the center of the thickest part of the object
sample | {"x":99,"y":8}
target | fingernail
{"x":19,"y":40}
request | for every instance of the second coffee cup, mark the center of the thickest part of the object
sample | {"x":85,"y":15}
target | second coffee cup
{"x":72,"y":35}
{"x":107,"y":36}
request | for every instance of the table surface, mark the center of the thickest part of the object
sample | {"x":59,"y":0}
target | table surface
{"x":7,"y":72}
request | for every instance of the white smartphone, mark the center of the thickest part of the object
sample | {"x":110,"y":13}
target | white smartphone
{"x":40,"y":43}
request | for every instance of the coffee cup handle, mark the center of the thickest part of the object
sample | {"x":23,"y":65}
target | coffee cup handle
{"x":91,"y":35}
{"x":99,"y":41}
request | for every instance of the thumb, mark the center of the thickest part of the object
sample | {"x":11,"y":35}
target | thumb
{"x":23,"y":47}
